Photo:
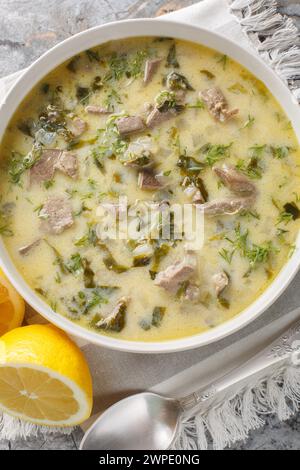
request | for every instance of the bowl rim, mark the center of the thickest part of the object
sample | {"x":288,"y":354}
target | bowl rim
{"x":162,"y":28}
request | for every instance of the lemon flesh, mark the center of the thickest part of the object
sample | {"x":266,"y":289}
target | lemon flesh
{"x":44,"y":377}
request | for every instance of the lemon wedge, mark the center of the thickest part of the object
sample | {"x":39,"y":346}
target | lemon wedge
{"x":44,"y":377}
{"x":12,"y":306}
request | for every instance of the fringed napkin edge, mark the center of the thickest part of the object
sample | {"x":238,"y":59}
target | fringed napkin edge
{"x":275,"y":37}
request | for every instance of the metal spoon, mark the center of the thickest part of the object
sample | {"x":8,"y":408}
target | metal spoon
{"x":147,"y":421}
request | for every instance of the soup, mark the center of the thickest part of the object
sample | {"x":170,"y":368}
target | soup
{"x":162,"y":122}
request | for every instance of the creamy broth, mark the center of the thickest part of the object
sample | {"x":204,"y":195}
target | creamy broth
{"x":109,"y":286}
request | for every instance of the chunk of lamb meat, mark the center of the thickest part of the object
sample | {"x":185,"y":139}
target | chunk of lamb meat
{"x":157,"y":117}
{"x":227,"y":206}
{"x":217,"y":105}
{"x":91,"y":109}
{"x":151,"y":67}
{"x":78,"y":126}
{"x":26,"y":249}
{"x":171,"y":278}
{"x":115,"y":321}
{"x":129,"y":125}
{"x":51,"y":160}
{"x":56,"y":214}
{"x":44,"y":168}
{"x":67,"y":163}
{"x":147,"y":180}
{"x":234,"y":180}
{"x":221,"y":281}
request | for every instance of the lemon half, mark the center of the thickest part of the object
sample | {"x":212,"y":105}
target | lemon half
{"x":44,"y":377}
{"x":12,"y":306}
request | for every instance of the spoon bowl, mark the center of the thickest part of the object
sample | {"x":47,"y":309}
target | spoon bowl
{"x":151,"y":418}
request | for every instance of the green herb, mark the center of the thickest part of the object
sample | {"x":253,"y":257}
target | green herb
{"x":208,"y":74}
{"x":215,"y":153}
{"x":89,"y":239}
{"x":59,"y":261}
{"x":97,"y":158}
{"x":122,"y":65}
{"x":226,"y":255}
{"x":161,"y":250}
{"x":139,"y":261}
{"x":189,"y":165}
{"x":237,"y":88}
{"x":280,"y":152}
{"x":116,"y":320}
{"x":110,"y":263}
{"x":223,"y":302}
{"x":259,"y":254}
{"x":166,"y":100}
{"x":198,"y":105}
{"x":18,"y":163}
{"x":223,"y":60}
{"x":136,"y":64}
{"x":198,"y":182}
{"x":88,"y":274}
{"x":117,"y":67}
{"x":250,"y":168}
{"x":48,"y":184}
{"x":250,"y":213}
{"x":257,"y":151}
{"x":74,"y":265}
{"x":157,"y":316}
{"x":255,"y":254}
{"x":290,"y":212}
{"x":85,"y":301}
{"x":182,"y":289}
{"x":280,"y":233}
{"x":110,"y":143}
{"x":249,"y":123}
{"x":111,"y":100}
{"x":176,"y":81}
{"x":172,"y":57}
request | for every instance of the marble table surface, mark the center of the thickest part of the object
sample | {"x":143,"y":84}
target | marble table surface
{"x":30,"y":27}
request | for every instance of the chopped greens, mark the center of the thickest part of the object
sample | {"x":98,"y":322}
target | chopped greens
{"x":250,"y":167}
{"x":166,"y":100}
{"x":255,"y":254}
{"x":289,"y":213}
{"x":109,"y":261}
{"x":176,"y":81}
{"x":172,"y":57}
{"x":189,"y":165}
{"x":249,"y":123}
{"x":237,"y":88}
{"x":207,"y":74}
{"x":157,"y":316}
{"x":280,"y":152}
{"x":214,"y":153}
{"x":18,"y":163}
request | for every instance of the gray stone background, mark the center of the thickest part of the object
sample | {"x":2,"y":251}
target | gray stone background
{"x":30,"y":27}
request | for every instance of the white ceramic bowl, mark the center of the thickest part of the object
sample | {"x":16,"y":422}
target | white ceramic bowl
{"x":151,"y":27}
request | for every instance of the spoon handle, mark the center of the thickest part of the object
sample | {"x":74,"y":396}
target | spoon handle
{"x":282,"y":352}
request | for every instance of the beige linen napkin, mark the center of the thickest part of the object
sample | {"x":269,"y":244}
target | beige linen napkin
{"x":118,"y":374}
